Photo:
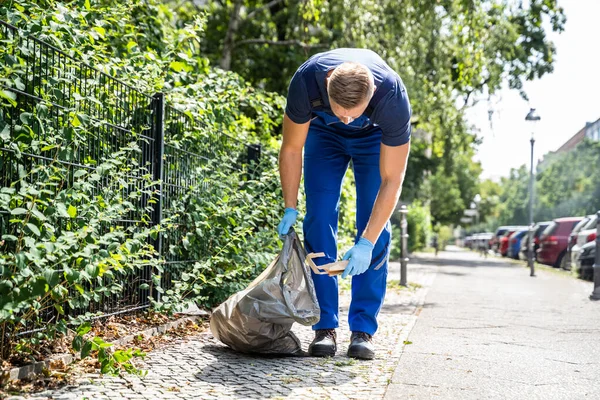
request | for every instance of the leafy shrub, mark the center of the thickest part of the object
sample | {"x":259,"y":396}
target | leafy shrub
{"x":419,"y":226}
{"x":76,"y":225}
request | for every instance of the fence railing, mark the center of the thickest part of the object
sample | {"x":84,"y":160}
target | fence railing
{"x":55,"y":91}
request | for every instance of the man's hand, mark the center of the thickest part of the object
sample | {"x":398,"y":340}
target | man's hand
{"x":288,"y":220}
{"x":359,"y":256}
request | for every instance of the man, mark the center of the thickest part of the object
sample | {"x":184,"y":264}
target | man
{"x":346,"y":105}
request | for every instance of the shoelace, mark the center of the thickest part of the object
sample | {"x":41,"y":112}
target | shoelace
{"x":323,"y":333}
{"x":362,"y":335}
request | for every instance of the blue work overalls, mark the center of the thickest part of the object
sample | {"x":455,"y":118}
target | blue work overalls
{"x":329,"y":147}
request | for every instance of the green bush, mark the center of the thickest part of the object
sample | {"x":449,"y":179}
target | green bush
{"x":419,"y":226}
{"x":63,"y":245}
{"x":419,"y":229}
{"x":445,"y":236}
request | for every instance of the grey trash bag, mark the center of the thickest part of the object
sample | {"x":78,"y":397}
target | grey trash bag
{"x":259,"y":318}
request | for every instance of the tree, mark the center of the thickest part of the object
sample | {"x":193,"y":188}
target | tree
{"x":447,"y":52}
{"x":566,"y":184}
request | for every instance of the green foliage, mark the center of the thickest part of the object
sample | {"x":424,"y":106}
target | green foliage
{"x":229,"y":232}
{"x":445,"y":235}
{"x":63,"y":246}
{"x":111,"y":362}
{"x":447,"y":53}
{"x":566,"y":184}
{"x":569,"y":184}
{"x":419,"y":226}
{"x":347,"y":218}
{"x":447,"y":204}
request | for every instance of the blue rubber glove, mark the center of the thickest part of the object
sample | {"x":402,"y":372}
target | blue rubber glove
{"x":359,"y":256}
{"x":289,"y":219}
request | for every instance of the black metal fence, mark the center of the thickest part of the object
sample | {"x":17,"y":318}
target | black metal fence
{"x":54,"y":92}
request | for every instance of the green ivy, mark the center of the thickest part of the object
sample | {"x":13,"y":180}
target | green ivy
{"x":68,"y":182}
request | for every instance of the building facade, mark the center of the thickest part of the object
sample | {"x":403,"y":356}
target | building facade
{"x":590,"y":131}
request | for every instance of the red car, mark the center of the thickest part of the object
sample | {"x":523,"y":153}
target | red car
{"x":504,"y":242}
{"x":555,"y":239}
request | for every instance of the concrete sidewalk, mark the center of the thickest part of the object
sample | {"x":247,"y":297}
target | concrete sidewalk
{"x":489,"y":331}
{"x":480,"y":329}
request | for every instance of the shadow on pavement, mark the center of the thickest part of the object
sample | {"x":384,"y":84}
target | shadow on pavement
{"x":456,"y":262}
{"x":258,"y":376}
{"x":403,"y":308}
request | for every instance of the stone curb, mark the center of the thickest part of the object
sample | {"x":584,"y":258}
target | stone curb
{"x":30,"y":370}
{"x":404,"y":335}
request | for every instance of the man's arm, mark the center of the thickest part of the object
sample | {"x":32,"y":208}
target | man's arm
{"x":290,"y":159}
{"x":392,"y":166}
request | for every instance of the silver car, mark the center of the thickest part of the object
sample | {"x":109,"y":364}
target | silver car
{"x":586,"y":234}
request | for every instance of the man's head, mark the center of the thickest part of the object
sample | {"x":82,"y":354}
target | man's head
{"x":350,"y":88}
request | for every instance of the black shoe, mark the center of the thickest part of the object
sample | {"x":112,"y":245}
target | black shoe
{"x":361,"y":346}
{"x":324,"y":343}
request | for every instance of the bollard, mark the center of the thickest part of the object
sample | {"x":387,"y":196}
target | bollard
{"x":403,"y":245}
{"x":530,"y":250}
{"x":596,"y":293}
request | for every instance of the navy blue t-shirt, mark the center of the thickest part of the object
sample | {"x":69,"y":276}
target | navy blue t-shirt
{"x":392,"y":113}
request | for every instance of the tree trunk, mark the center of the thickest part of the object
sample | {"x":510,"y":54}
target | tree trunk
{"x":228,"y":44}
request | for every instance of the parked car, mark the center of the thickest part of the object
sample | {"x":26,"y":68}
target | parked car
{"x":504,"y":240}
{"x":514,"y":242}
{"x":584,"y":266}
{"x":483,"y":241}
{"x":539,"y":229}
{"x":495,"y":241}
{"x":585,"y":235}
{"x":478,"y":241}
{"x":569,"y":257}
{"x":554,"y":240}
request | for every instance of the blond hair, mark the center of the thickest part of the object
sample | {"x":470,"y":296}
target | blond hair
{"x":350,"y":85}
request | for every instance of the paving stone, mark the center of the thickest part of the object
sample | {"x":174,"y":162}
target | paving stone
{"x":200,"y":367}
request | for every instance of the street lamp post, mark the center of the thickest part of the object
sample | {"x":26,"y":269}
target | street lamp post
{"x":533,"y":117}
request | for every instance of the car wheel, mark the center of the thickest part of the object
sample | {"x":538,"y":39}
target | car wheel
{"x":565,"y":262}
{"x":559,"y":260}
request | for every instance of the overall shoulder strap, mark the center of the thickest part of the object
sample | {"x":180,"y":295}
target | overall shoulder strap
{"x":312,"y":87}
{"x":386,"y":85}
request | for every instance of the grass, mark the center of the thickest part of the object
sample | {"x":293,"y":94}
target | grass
{"x":395,"y":285}
{"x":538,"y":266}
{"x":345,"y":363}
{"x":344,"y":284}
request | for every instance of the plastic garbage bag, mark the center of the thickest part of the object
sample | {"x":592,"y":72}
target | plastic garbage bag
{"x":259,"y":318}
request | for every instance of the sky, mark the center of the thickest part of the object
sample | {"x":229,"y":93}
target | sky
{"x":565,"y":99}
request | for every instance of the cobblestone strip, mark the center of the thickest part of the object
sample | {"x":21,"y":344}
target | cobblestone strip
{"x":199,"y":367}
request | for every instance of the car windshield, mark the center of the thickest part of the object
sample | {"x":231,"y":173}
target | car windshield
{"x":581,"y":224}
{"x":591,"y":224}
{"x":540,"y":229}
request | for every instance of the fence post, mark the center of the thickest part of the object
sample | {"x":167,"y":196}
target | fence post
{"x":252,"y":158}
{"x":254,"y":151}
{"x":596,"y":293}
{"x":403,"y":245}
{"x":158,"y":164}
